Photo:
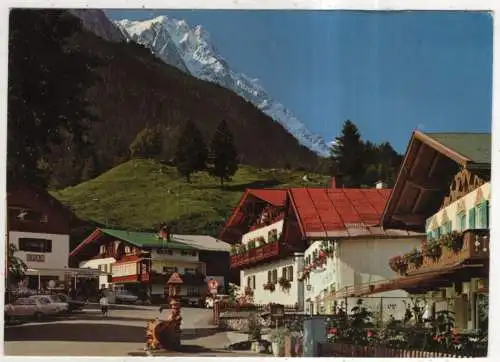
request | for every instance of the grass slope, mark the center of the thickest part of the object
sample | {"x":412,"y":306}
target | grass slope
{"x":140,"y":194}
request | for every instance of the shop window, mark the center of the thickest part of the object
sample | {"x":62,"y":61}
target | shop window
{"x":35,"y":245}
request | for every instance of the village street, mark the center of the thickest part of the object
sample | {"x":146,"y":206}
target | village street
{"x":122,"y":334}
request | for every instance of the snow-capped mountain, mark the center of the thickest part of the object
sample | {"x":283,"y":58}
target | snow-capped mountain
{"x":192,"y":51}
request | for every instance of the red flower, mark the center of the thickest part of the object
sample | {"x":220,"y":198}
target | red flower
{"x":333,"y":331}
{"x":370,"y":333}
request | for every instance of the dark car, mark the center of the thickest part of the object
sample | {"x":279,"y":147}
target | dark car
{"x":72,"y":303}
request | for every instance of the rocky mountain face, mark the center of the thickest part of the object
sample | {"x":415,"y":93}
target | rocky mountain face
{"x":191,"y":50}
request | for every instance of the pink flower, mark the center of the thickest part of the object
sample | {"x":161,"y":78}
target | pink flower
{"x":370,"y":334}
{"x":333,"y":331}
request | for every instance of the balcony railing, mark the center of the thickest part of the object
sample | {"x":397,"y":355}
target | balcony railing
{"x":469,"y":246}
{"x":255,"y":255}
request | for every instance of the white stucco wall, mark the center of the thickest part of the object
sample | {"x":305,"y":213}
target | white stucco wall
{"x":324,"y":278}
{"x":94,"y":264}
{"x":56,"y":259}
{"x":366,"y":261}
{"x":451,"y":210}
{"x":263,"y":231}
{"x":261,"y":296}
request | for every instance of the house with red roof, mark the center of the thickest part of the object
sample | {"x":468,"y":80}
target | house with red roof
{"x":338,"y":229}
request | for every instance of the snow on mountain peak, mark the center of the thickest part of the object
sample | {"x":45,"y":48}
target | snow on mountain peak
{"x":192,"y":51}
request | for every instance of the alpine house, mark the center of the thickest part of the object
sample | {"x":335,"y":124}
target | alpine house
{"x":307,"y":246}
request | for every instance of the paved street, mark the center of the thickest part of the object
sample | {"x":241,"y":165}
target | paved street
{"x":122,"y":334}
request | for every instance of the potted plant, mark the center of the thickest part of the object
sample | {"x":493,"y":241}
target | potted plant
{"x":399,"y":264}
{"x":453,"y":241}
{"x":284,"y":284}
{"x":432,"y":249}
{"x":251,"y":244}
{"x":261,"y":240}
{"x":415,"y":257}
{"x":248,"y":291}
{"x":277,"y":339}
{"x":255,"y":333}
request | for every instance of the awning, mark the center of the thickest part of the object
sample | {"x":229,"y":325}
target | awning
{"x":424,"y":280}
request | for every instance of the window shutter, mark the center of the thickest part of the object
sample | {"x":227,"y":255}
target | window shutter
{"x":429,"y":235}
{"x":253,"y":282}
{"x":290,"y":273}
{"x":472,"y":218}
{"x":283,"y":272}
{"x":487,"y":214}
{"x":269,"y":276}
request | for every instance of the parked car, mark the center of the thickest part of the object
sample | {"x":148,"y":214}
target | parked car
{"x":24,"y":308}
{"x":72,"y":303}
{"x":125,"y":297}
{"x":55,"y":302}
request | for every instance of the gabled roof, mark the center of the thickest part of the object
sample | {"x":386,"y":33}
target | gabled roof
{"x":140,"y":239}
{"x":426,"y":173}
{"x":276,"y":197}
{"x":473,"y":148}
{"x":331,"y":212}
{"x":321,"y":209}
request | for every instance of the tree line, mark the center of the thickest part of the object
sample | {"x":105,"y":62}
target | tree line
{"x":191,"y":153}
{"x":362,"y":163}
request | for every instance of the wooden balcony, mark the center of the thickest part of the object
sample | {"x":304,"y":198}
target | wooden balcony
{"x":475,"y":248}
{"x":254,"y":256}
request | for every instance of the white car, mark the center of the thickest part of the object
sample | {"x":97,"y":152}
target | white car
{"x":28,"y":308}
{"x":54,"y":302}
{"x":125,"y":297}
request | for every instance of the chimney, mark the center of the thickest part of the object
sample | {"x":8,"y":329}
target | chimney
{"x":380,"y":185}
{"x":336,"y":182}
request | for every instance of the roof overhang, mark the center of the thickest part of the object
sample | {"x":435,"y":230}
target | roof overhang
{"x":95,"y":235}
{"x":423,"y":180}
{"x":74,"y":271}
{"x":370,"y":232}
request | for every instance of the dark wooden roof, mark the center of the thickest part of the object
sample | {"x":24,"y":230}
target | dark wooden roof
{"x":427,"y":171}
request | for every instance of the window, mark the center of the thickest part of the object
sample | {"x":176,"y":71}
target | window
{"x":290,"y":273}
{"x":35,"y":245}
{"x":472,"y":218}
{"x":102,"y":249}
{"x":482,"y":211}
{"x":169,"y":269}
{"x":445,"y":228}
{"x":275,"y":276}
{"x":193,"y":253}
{"x":269,"y":276}
{"x":127,"y":250}
{"x":164,"y":251}
{"x":249,"y":282}
{"x":461,"y":221}
{"x":192,"y":292}
{"x":253,"y":282}
{"x":283,"y":273}
{"x":190,"y":270}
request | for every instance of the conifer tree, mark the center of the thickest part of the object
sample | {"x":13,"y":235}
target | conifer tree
{"x":223,"y":154}
{"x":191,"y":151}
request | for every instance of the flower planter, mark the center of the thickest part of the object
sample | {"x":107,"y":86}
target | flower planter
{"x":278,"y":350}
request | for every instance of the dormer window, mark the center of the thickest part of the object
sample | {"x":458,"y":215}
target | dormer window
{"x":102,"y":249}
{"x":128,"y":250}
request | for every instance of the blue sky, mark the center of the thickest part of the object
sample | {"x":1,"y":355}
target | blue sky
{"x":389,"y":73}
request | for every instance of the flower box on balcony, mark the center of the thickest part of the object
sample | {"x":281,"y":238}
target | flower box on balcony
{"x":255,"y":255}
{"x":474,"y":245}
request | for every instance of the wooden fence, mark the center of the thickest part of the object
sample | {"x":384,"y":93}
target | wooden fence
{"x":350,"y":350}
{"x":220,"y":307}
